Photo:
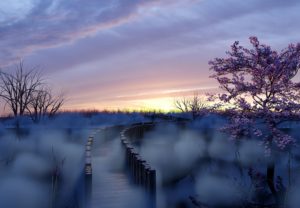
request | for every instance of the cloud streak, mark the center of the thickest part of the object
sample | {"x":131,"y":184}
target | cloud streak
{"x":53,"y":23}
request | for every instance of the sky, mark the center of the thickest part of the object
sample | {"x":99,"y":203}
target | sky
{"x":136,"y":54}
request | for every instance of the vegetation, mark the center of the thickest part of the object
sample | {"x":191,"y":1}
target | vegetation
{"x":258,"y":83}
{"x":25,"y":92}
{"x":195,"y":105}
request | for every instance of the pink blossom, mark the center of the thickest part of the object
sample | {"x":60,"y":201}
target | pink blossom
{"x":259,"y":83}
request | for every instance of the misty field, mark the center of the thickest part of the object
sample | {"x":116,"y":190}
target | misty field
{"x":197,"y":165}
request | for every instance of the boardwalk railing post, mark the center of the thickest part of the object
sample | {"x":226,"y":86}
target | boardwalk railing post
{"x":135,"y":167}
{"x":147,"y":176}
{"x":152,"y":181}
{"x":88,"y":171}
{"x":142,"y":174}
{"x":130,"y":149}
{"x":138,"y":169}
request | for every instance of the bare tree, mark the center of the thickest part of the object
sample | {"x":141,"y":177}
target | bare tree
{"x":16,"y":89}
{"x":194,"y":105}
{"x":44,"y":103}
{"x":26,"y":93}
{"x":182,"y":104}
{"x":55,"y":104}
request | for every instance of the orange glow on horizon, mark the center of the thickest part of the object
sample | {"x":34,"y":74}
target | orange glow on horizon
{"x":146,"y":101}
{"x":153,"y":104}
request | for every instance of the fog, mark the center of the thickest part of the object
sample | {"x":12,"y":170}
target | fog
{"x":37,"y":166}
{"x":216,"y":170}
{"x":41,"y":165}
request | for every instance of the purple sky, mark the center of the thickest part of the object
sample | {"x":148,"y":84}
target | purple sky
{"x":136,"y":53}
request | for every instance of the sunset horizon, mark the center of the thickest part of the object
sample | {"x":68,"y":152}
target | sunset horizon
{"x":135,"y":55}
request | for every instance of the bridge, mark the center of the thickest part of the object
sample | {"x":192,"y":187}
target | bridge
{"x":115,"y":174}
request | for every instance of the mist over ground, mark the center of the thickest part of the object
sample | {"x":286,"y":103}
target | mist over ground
{"x":196,"y":164}
{"x":41,"y":164}
{"x":201,"y":162}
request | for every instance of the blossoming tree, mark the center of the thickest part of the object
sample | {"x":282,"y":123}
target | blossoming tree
{"x":260,"y":85}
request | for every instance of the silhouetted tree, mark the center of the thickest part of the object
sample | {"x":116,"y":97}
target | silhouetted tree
{"x":258,"y":83}
{"x":17,"y":88}
{"x":25,"y":92}
{"x":194,"y":105}
{"x":44,"y":103}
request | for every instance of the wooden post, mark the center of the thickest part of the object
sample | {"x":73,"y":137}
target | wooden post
{"x":133,"y":166}
{"x":88,"y":185}
{"x":142,"y":173}
{"x":138,"y":169}
{"x":131,"y":161}
{"x":125,"y":143}
{"x":88,"y":171}
{"x":91,"y":139}
{"x":88,"y":147}
{"x":129,"y":155}
{"x":152,"y":181}
{"x":147,"y":176}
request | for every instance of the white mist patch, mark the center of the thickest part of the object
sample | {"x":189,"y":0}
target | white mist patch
{"x":115,"y":160}
{"x":31,"y":166}
{"x":210,"y":121}
{"x":217,"y":190}
{"x":62,"y":154}
{"x":74,"y":120}
{"x":189,"y":148}
{"x":28,"y":163}
{"x":8,"y":145}
{"x":21,"y":193}
{"x":252,"y":153}
{"x":221,"y":148}
{"x":172,"y":152}
{"x":293,"y":197}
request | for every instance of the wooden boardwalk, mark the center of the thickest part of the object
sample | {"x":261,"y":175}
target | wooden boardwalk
{"x":111,"y":187}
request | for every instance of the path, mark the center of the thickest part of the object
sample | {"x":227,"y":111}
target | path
{"x":111,"y":187}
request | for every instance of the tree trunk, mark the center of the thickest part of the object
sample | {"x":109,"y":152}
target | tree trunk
{"x":15,"y":113}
